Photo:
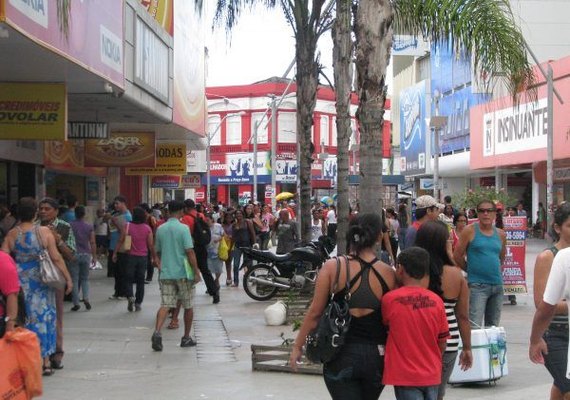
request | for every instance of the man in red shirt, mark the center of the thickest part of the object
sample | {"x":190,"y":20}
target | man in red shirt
{"x":417,"y":330}
{"x":189,"y":218}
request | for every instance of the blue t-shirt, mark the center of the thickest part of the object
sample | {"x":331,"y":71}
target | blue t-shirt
{"x":69,"y":215}
{"x":172,"y":240}
{"x":483,"y":258}
{"x":115,"y":232}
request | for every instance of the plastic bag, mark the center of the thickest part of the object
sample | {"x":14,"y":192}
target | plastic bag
{"x":276,"y":314}
{"x":97,"y":265}
{"x":223,"y":250}
{"x":21,"y":361}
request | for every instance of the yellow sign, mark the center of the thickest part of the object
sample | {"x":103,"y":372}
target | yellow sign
{"x":121,"y":149}
{"x":170,"y":160}
{"x":33,"y":111}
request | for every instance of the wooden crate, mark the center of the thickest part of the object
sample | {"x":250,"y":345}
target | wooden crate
{"x":297,"y":303}
{"x":276,"y":358}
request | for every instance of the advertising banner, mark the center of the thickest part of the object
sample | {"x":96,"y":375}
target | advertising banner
{"x":189,"y":108}
{"x":121,"y":149}
{"x":68,"y":157}
{"x":161,"y":11}
{"x":286,"y":168}
{"x":165,"y":182}
{"x":514,"y":272}
{"x":237,"y":168}
{"x":413,"y":129}
{"x":33,"y":111}
{"x":170,"y":160}
{"x":93,"y":37}
{"x":190,"y":181}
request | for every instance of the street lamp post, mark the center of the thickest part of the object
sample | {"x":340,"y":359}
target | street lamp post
{"x":436,"y":122}
{"x":208,"y":151}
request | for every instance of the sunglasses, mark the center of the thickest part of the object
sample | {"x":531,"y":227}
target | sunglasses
{"x":486,"y":210}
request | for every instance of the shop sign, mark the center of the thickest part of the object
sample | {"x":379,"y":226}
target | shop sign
{"x":33,"y":111}
{"x":199,"y":196}
{"x":513,"y":269}
{"x":190,"y":181}
{"x":87,"y":130}
{"x":286,"y":171}
{"x":68,"y":157}
{"x":165,"y":182}
{"x":121,"y":149}
{"x":170,"y":160}
{"x":515,"y":129}
{"x":162,"y":12}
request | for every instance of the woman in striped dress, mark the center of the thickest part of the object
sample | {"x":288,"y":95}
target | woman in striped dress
{"x":447,"y":281}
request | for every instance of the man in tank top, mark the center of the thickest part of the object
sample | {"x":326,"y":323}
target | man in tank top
{"x":481,"y":252}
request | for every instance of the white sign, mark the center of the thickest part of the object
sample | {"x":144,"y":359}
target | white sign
{"x":199,"y":195}
{"x":36,"y":10}
{"x":515,"y":129}
{"x":286,"y":171}
{"x":111,"y":50}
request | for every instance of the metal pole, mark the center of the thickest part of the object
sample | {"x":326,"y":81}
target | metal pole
{"x":436,"y":155}
{"x":256,"y":126}
{"x":549,"y":146}
{"x":208,"y":169}
{"x":273,"y":150}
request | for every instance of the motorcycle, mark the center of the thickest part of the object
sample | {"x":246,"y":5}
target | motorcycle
{"x":293,"y":270}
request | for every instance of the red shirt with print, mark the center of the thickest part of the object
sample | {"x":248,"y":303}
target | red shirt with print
{"x":416,"y":323}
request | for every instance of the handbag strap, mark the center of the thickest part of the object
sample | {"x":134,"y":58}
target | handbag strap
{"x":347,"y":287}
{"x":335,"y":285}
{"x":39,"y":235}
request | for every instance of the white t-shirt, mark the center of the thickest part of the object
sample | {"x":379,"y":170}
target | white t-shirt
{"x":331,"y":217}
{"x":558,"y":285}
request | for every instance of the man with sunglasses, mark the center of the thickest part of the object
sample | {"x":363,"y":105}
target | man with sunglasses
{"x":481,"y":251}
{"x":427,"y":209}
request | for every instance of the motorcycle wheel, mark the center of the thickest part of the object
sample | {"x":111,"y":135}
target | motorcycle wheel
{"x":256,"y":290}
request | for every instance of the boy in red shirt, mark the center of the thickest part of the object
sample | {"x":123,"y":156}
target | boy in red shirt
{"x":417,"y":330}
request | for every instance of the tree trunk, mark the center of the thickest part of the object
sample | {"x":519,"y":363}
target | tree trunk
{"x":374,"y":32}
{"x":342,"y":53}
{"x":307,"y":83}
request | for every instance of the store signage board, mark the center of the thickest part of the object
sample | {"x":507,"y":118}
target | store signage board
{"x":87,"y":130}
{"x":121,"y":149}
{"x":170,"y":160}
{"x":190,"y":181}
{"x":33,"y":111}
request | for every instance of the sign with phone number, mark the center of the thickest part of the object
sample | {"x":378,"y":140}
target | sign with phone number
{"x":513,"y":269}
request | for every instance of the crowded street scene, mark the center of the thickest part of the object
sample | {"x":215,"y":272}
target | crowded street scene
{"x":332,"y":199}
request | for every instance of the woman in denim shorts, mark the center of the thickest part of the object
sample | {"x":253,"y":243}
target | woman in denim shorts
{"x":556,"y":336}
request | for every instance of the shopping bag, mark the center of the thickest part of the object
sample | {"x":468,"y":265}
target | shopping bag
{"x":21,"y":361}
{"x":97,"y":265}
{"x":223,"y":250}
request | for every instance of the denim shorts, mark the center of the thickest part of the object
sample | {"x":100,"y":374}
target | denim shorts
{"x":356,"y":373}
{"x":556,"y":338}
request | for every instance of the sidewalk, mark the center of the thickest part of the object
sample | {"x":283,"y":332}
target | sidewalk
{"x":108,"y":353}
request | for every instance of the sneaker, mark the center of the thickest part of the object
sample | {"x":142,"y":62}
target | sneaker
{"x":138,"y":307}
{"x":87,"y":304}
{"x":131,"y":304}
{"x":216,"y":298}
{"x":187,"y":342}
{"x":114,"y":297}
{"x":156,"y":341}
{"x":75,"y":307}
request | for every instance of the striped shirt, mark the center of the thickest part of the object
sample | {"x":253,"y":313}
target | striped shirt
{"x":453,"y":340}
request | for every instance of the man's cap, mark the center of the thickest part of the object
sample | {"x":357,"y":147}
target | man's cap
{"x":427,"y":201}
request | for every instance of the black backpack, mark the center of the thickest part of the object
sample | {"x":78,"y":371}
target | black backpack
{"x":201,"y":235}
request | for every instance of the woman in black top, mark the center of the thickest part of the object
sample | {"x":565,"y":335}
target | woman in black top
{"x":356,"y":373}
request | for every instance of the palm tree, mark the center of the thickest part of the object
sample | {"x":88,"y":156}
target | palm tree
{"x":485,"y":28}
{"x":309,"y":21}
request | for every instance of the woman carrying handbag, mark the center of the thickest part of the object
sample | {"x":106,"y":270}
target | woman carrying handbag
{"x":26,"y":242}
{"x":356,"y":372}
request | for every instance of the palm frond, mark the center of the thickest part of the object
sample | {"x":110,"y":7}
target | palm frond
{"x":63,"y":15}
{"x":228,"y":11}
{"x":484,"y":28}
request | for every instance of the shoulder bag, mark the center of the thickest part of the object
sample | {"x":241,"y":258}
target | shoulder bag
{"x":128,"y":242}
{"x":49,"y":272}
{"x":326,"y":340}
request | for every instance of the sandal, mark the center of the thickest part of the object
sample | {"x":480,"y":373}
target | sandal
{"x":173,"y":324}
{"x":47,"y":370}
{"x":228,"y":282}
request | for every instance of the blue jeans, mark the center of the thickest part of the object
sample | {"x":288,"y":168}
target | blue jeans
{"x":556,"y":338}
{"x":236,"y":255}
{"x":485,"y":301}
{"x":79,"y":270}
{"x":416,"y":392}
{"x":356,"y":373}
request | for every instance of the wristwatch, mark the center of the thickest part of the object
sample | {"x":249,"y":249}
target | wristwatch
{"x":8,"y":319}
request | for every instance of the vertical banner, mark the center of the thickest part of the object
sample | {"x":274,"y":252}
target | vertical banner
{"x":413,"y":129}
{"x":514,"y":273}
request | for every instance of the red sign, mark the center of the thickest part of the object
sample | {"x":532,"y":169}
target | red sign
{"x":514,"y":272}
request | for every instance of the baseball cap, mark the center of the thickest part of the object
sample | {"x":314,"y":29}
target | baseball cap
{"x":427,"y":201}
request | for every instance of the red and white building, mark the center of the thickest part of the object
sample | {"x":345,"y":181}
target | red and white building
{"x":233,"y":114}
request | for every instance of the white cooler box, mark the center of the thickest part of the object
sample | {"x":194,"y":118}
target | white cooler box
{"x":489,"y":348}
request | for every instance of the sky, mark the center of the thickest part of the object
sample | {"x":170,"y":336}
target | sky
{"x":261,"y":46}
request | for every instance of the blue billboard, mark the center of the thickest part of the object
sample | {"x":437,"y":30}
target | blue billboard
{"x":413,"y":129}
{"x":441,"y":64}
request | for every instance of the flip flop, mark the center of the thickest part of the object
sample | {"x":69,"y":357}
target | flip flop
{"x":173,"y":324}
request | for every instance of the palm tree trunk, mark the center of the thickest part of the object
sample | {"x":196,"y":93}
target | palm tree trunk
{"x":307,"y":83}
{"x":373,"y":30}
{"x":342,"y":53}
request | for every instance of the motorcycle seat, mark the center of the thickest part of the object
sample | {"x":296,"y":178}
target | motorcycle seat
{"x":267,"y":255}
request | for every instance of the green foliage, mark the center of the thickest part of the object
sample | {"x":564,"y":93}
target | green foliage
{"x":471,"y":197}
{"x":286,"y":341}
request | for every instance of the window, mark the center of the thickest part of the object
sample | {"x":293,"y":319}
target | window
{"x":233,"y":129}
{"x":215,"y":130}
{"x":325,"y":130}
{"x":262,"y":129}
{"x":287,"y":127}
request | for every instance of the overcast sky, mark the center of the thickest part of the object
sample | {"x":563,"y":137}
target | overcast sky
{"x":261,"y":46}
